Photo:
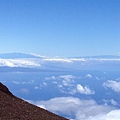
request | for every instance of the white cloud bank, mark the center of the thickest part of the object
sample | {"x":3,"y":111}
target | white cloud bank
{"x":30,"y":62}
{"x":114,"y":85}
{"x":77,"y":109}
{"x":19,"y":63}
{"x":71,"y":60}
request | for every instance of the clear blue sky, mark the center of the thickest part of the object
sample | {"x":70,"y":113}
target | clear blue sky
{"x":60,"y":27}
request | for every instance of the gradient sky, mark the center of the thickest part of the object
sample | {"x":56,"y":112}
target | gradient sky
{"x":60,"y":27}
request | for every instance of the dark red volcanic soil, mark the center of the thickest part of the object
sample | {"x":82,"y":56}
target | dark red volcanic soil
{"x":13,"y":108}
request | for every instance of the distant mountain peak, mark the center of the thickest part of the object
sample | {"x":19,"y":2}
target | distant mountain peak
{"x":17,"y":55}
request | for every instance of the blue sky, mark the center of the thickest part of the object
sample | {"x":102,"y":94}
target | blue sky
{"x":60,"y":27}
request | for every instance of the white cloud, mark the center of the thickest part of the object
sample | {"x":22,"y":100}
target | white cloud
{"x":111,"y":101}
{"x":77,"y":109}
{"x":67,"y":76}
{"x":36,"y":62}
{"x":36,"y":87}
{"x":64,"y":60}
{"x":89,"y":76}
{"x":71,"y":60}
{"x":60,"y":86}
{"x":37,"y":55}
{"x":50,"y":78}
{"x":66,"y":84}
{"x":84,"y":90}
{"x":113,"y":115}
{"x":67,"y":80}
{"x":28,"y":82}
{"x":19,"y":63}
{"x":53,"y":79}
{"x":67,"y":90}
{"x":44,"y":84}
{"x":114,"y":85}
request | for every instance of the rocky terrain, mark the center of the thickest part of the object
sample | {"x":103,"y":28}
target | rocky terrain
{"x":14,"y":108}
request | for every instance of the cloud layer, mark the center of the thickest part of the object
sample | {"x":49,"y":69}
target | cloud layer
{"x":19,"y":63}
{"x":77,"y":109}
{"x":68,"y":84}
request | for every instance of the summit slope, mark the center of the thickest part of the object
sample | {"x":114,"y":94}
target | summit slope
{"x":14,"y":108}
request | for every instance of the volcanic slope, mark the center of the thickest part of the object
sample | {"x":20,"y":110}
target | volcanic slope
{"x":14,"y":108}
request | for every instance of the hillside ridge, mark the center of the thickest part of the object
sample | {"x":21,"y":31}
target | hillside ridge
{"x":14,"y":108}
